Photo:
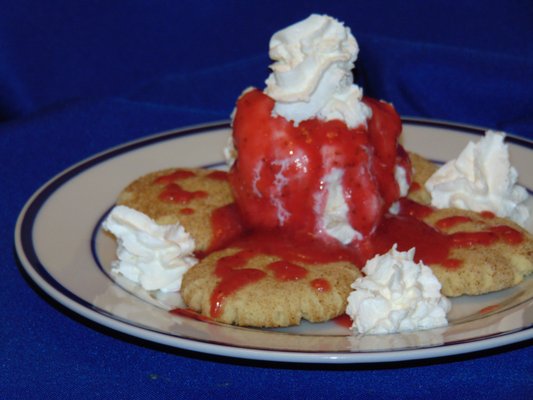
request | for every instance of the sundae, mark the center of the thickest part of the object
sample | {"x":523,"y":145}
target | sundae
{"x":323,"y":213}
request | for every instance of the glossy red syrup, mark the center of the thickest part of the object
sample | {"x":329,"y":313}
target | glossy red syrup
{"x":343,"y":320}
{"x":218,"y":175}
{"x":174,"y":176}
{"x":174,"y":193}
{"x":287,"y":271}
{"x":321,"y":285}
{"x":507,"y":234}
{"x":296,"y":248}
{"x":414,"y":209}
{"x":469,"y":239}
{"x":488,"y":214}
{"x":449,"y":222}
{"x":278,"y":177}
{"x":226,"y":226}
{"x":290,"y":249}
{"x":415,"y":186}
{"x":489,"y":309}
{"x":488,"y":237}
{"x":432,"y":246}
{"x":233,"y":276}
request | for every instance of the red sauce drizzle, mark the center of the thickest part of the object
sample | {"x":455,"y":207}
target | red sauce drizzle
{"x":287,"y":271}
{"x":173,"y":192}
{"x":320,"y":285}
{"x":187,"y":211}
{"x":489,"y":309}
{"x":176,"y":194}
{"x":449,"y":222}
{"x":415,"y":186}
{"x":232,"y":278}
{"x":414,"y":209}
{"x":343,"y":320}
{"x":468,"y":239}
{"x":174,"y":176}
{"x":508,"y":234}
{"x":218,"y":175}
{"x":488,"y":214}
{"x":291,"y":249}
{"x":485,"y":238}
{"x":226,"y":226}
{"x":297,"y":248}
{"x":432,"y":246}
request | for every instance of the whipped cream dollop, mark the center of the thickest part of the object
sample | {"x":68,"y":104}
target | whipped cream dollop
{"x":152,"y":255}
{"x":312,"y":73}
{"x":395,"y":295}
{"x":481,"y":179}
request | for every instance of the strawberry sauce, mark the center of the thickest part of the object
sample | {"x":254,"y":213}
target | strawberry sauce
{"x":279,"y":176}
{"x":226,"y":226}
{"x":279,"y":182}
{"x":287,"y":271}
{"x":233,"y":276}
{"x":172,"y":190}
{"x":174,"y":176}
{"x":449,"y":222}
{"x":321,"y":285}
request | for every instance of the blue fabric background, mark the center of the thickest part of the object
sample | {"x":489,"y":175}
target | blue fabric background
{"x":77,"y":77}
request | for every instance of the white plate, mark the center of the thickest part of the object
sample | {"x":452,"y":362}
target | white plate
{"x":63,"y":250}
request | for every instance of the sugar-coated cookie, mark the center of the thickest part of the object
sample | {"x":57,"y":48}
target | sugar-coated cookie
{"x":501,"y":258}
{"x":422,"y":169}
{"x":498,"y":254}
{"x":199,"y":199}
{"x":247,"y":288}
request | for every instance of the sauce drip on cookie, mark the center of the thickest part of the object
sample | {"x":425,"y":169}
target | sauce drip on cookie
{"x":173,"y":192}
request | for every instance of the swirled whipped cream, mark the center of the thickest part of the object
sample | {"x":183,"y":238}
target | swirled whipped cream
{"x":152,"y":255}
{"x":395,"y":295}
{"x":481,"y":179}
{"x":312,"y":73}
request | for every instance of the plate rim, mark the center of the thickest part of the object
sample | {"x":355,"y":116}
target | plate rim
{"x":40,"y":276}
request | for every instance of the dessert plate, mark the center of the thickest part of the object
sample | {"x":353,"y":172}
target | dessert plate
{"x":72,"y":265}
